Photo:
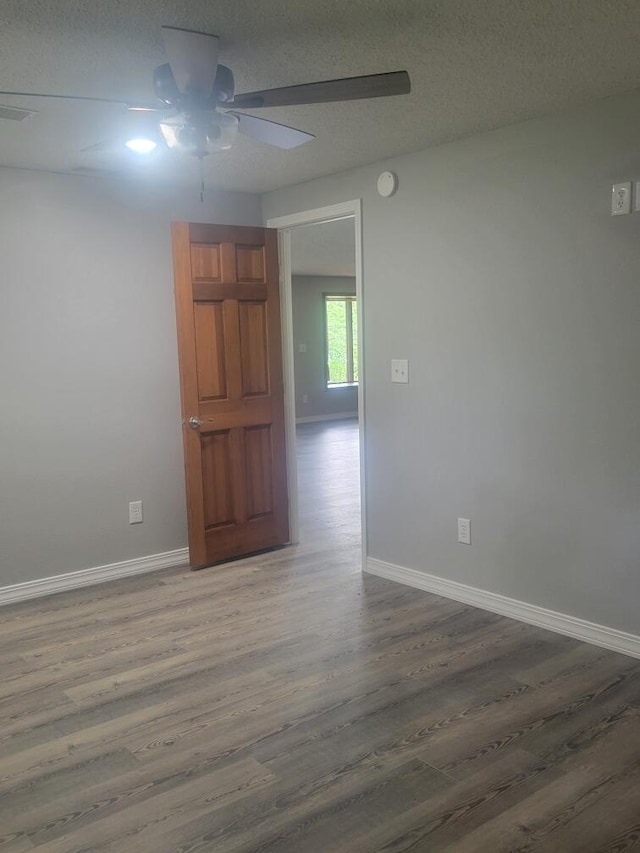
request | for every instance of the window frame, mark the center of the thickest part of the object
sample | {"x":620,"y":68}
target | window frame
{"x":350,"y":299}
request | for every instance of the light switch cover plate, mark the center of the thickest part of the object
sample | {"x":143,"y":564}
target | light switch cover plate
{"x":400,"y":370}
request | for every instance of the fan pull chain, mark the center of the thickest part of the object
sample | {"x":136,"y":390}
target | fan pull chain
{"x":202,"y":180}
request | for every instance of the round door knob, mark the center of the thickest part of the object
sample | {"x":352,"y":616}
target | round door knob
{"x":194,"y":422}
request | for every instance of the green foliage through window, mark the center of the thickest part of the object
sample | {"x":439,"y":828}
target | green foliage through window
{"x":342,"y":339}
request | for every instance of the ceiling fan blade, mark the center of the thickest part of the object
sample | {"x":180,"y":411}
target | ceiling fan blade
{"x":193,"y":58}
{"x":139,"y":107}
{"x":100,"y":147}
{"x":326,"y":91}
{"x":118,"y":144}
{"x":271,"y":132}
{"x":66,"y":97}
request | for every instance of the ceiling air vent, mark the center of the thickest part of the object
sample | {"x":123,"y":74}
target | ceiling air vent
{"x":15,"y":113}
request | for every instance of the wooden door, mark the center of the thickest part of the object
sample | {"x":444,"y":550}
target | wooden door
{"x":230,"y":351}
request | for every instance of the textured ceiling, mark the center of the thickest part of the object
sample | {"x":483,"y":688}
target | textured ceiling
{"x":474,"y":64}
{"x":328,"y":249}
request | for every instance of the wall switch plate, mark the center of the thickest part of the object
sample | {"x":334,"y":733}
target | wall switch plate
{"x":399,"y":370}
{"x":135,"y":512}
{"x":464,"y":531}
{"x":305,"y":398}
{"x":302,"y":348}
{"x":621,"y":198}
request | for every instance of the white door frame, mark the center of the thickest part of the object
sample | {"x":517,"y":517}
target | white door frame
{"x":284,"y":225}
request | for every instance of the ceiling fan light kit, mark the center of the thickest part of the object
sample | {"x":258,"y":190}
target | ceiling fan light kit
{"x":200,"y":133}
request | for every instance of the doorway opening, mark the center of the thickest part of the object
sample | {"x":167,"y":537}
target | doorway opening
{"x":322,"y":301}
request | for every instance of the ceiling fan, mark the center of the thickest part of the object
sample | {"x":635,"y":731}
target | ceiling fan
{"x":199,"y":108}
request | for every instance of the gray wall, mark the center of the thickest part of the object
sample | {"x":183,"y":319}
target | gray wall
{"x":88,"y":369}
{"x":309,"y":329}
{"x":499,"y":273}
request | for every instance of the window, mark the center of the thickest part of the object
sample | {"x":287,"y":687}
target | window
{"x":341,"y":313}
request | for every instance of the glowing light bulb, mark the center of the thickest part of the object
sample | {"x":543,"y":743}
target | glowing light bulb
{"x":141,"y":145}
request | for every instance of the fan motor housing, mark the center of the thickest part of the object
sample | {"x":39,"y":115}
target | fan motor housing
{"x":166,"y":89}
{"x":164,"y":85}
{"x":223,"y":86}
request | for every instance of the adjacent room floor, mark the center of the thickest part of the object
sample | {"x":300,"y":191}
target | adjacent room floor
{"x":329,"y":482}
{"x":287,"y":703}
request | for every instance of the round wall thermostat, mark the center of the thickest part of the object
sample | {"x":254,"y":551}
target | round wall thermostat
{"x":387,"y":184}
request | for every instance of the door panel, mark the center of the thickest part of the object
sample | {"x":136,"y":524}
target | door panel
{"x":258,"y":452}
{"x":228,"y":313}
{"x":216,"y":478}
{"x":205,"y":262}
{"x":253,"y":348}
{"x":210,"y":350}
{"x":250,"y":263}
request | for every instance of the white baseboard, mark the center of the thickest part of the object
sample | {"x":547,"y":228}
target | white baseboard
{"x":86,"y":577}
{"x":338,"y":416}
{"x":561,"y":623}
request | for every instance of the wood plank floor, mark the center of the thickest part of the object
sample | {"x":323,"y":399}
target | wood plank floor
{"x":287,"y":703}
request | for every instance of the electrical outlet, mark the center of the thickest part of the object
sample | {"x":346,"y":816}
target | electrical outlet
{"x":621,"y":198}
{"x":400,"y":370}
{"x":464,"y":531}
{"x":135,"y":512}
